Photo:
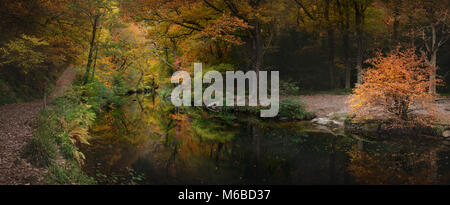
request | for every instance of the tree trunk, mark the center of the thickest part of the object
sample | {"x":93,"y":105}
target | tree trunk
{"x":348,"y":68}
{"x":344,"y":13}
{"x":95,"y":56}
{"x":140,"y":79}
{"x":413,"y":38}
{"x":91,"y":49}
{"x":433,"y":72}
{"x":434,"y":49}
{"x":331,"y":57}
{"x":331,"y":46}
{"x":95,"y":63}
{"x":257,"y":48}
{"x":359,"y":43}
{"x":396,"y":24}
{"x":257,"y":53}
{"x":175,"y":55}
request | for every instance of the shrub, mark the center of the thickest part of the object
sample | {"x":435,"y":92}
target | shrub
{"x":95,"y":94}
{"x":396,"y":85}
{"x":40,"y":151}
{"x":292,"y":108}
{"x":119,"y":86}
{"x":288,"y":87}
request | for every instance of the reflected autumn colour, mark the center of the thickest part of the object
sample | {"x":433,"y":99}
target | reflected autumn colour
{"x":396,"y":163}
{"x":147,"y":141}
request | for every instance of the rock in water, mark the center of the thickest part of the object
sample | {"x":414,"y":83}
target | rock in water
{"x":327,"y":122}
{"x":320,"y":121}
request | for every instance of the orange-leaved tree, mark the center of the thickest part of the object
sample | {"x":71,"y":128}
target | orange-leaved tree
{"x":395,"y":88}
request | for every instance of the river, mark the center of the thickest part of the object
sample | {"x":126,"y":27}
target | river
{"x":148,"y":141}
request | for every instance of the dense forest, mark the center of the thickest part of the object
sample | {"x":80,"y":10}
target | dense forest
{"x":316,"y":45}
{"x":387,"y":56}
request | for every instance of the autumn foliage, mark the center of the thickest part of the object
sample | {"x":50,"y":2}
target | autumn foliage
{"x":395,"y":87}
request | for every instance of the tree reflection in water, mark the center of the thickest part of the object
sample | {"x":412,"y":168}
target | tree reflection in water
{"x":172,"y":146}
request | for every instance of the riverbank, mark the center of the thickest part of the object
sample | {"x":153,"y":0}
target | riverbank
{"x":17,"y":125}
{"x":332,"y":110}
{"x":325,"y":104}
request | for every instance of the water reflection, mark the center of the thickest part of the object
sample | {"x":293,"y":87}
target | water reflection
{"x":165,"y":145}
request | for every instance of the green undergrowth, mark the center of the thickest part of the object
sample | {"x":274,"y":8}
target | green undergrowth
{"x":64,"y":126}
{"x":20,"y":87}
{"x":291,"y":109}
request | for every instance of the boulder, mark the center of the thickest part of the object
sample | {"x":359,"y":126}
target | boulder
{"x":339,"y":116}
{"x":327,"y":122}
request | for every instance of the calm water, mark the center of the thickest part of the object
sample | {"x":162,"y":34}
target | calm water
{"x":150,"y":142}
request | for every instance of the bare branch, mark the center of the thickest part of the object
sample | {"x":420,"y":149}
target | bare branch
{"x":305,"y":10}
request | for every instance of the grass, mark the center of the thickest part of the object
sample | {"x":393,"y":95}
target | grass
{"x":40,"y":151}
{"x":68,"y":175}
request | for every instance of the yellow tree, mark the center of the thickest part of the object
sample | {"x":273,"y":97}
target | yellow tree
{"x":94,"y":11}
{"x":206,"y":24}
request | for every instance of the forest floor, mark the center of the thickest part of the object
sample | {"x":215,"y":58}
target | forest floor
{"x":17,"y":123}
{"x":325,"y":104}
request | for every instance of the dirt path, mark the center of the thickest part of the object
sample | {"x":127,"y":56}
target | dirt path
{"x":16,"y":129}
{"x":64,"y":82}
{"x":324,"y":104}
